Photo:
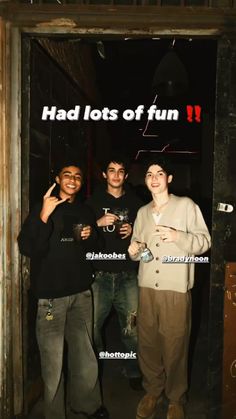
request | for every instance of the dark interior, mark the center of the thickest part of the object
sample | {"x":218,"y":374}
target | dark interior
{"x":122,"y":74}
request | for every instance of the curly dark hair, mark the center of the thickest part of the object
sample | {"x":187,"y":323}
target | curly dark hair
{"x":160,"y":161}
{"x":116,"y":158}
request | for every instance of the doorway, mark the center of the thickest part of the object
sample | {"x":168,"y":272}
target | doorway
{"x":120,"y":74}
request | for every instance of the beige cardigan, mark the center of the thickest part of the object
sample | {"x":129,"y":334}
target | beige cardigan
{"x":185,"y":216}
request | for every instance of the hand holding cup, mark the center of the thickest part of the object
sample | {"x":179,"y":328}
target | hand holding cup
{"x":135,"y":248}
{"x":123,"y":229}
{"x":107,"y":219}
{"x":81,"y":231}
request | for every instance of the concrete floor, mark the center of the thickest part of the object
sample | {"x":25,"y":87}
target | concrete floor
{"x":121,"y":401}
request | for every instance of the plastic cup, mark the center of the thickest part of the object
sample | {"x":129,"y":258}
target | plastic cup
{"x":77,"y":229}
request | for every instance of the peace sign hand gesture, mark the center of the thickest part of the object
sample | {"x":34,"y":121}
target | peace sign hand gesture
{"x":49,"y":204}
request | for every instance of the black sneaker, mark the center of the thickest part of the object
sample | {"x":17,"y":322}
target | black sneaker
{"x":136,"y":383}
{"x":100,"y":413}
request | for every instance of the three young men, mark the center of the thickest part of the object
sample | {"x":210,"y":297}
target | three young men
{"x":115,"y":207}
{"x":61,"y":279}
{"x":172,"y":227}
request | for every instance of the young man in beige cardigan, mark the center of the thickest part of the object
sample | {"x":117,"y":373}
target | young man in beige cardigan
{"x":173,"y":229}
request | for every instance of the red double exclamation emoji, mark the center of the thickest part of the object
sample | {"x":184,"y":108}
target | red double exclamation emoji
{"x":197,"y":113}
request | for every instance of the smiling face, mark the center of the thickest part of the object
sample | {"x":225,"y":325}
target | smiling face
{"x":115,"y":176}
{"x":157,"y":179}
{"x":70,"y":182}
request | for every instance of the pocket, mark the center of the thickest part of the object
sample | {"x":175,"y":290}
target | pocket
{"x":44,"y":302}
{"x":129,"y":276}
{"x":45,"y":309}
{"x":98,"y":275}
{"x":87,"y":293}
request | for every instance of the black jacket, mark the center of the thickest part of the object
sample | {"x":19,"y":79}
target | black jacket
{"x":101,"y":202}
{"x":58,"y":263}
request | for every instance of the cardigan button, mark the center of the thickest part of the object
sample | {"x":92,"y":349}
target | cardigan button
{"x":156,"y":285}
{"x":157,"y":258}
{"x":158,"y":244}
{"x":157,"y":271}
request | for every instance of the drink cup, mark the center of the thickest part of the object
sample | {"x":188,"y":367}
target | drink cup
{"x":145,"y":253}
{"x":122,"y":213}
{"x":77,"y":229}
{"x":118,"y":225}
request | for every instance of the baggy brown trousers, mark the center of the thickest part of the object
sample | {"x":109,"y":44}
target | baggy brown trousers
{"x":164,"y":323}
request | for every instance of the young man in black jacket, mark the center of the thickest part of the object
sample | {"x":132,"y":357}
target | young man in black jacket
{"x":115,"y":207}
{"x":61,"y":280}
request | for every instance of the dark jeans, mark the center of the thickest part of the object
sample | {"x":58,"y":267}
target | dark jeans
{"x":72,"y":321}
{"x":120,"y":290}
